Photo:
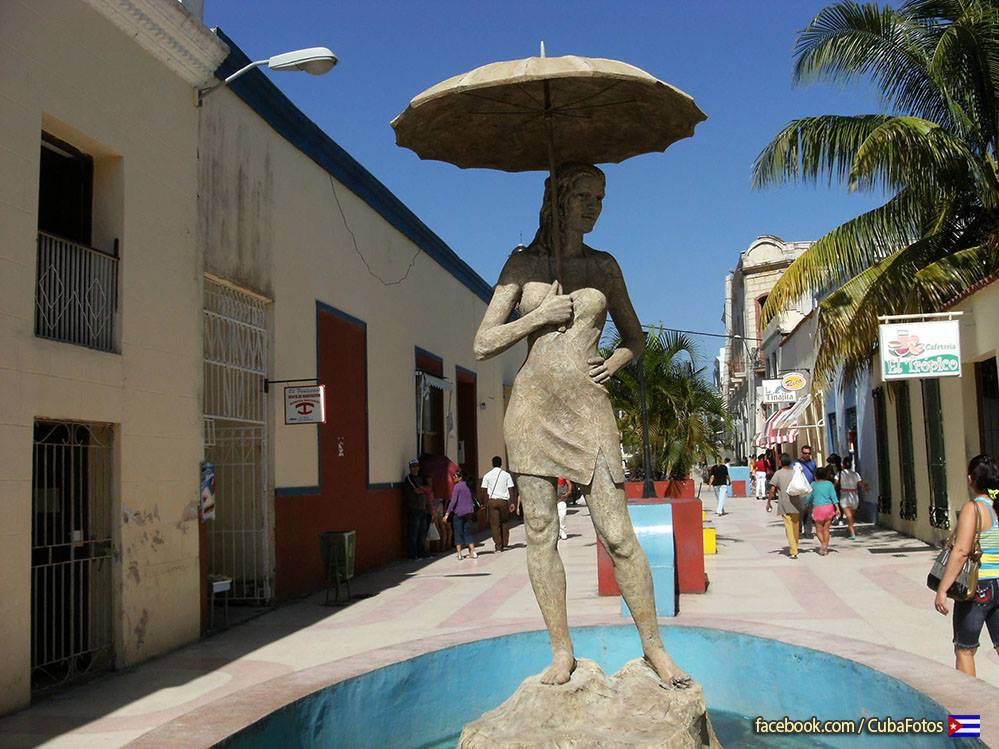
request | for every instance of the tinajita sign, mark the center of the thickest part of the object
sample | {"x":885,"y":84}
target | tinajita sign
{"x":912,"y":350}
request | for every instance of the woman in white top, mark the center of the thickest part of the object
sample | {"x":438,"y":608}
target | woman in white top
{"x":850,"y":485}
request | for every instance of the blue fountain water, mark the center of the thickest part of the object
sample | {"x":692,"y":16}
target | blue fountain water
{"x":423,"y":703}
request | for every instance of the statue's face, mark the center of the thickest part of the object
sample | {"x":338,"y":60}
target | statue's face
{"x":584,"y":204}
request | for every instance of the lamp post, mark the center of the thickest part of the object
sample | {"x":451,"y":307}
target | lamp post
{"x":649,"y":487}
{"x":313,"y":60}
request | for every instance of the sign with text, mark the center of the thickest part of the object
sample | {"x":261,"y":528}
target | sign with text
{"x":920,"y":350}
{"x":305,"y":405}
{"x":787,"y":389}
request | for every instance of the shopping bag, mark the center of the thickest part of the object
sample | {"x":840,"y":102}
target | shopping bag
{"x":432,"y":533}
{"x":799,"y":485}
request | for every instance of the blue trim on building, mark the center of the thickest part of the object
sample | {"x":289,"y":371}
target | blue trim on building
{"x":295,"y":491}
{"x":264,"y":98}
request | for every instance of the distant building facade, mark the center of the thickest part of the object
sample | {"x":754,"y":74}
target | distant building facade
{"x":741,"y":368}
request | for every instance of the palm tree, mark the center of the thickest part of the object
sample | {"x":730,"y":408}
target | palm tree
{"x":936,"y":64}
{"x":686,"y":415}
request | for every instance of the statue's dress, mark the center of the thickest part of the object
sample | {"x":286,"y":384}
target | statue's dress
{"x":559,"y":419}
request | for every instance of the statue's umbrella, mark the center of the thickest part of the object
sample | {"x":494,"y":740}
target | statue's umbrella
{"x":540,"y":112}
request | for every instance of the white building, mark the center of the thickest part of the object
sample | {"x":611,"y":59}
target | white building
{"x":741,"y":371}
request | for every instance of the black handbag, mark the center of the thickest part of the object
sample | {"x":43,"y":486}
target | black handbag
{"x":965,"y":586}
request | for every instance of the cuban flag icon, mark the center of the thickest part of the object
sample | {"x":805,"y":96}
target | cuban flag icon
{"x":964,"y":725}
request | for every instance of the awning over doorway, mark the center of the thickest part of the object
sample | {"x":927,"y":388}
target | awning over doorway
{"x":786,"y":427}
{"x":767,"y":435}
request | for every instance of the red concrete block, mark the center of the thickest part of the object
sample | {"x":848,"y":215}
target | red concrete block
{"x":689,"y":542}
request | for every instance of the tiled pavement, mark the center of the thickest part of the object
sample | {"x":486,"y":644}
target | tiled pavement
{"x":870,"y":591}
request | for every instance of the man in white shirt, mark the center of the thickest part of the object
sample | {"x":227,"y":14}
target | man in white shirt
{"x":501,"y":500}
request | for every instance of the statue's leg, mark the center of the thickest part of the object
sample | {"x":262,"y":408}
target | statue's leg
{"x":609,"y":512}
{"x":544,"y":565}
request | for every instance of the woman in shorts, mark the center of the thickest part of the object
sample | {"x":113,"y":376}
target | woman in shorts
{"x":824,"y":506}
{"x":980,"y":517}
{"x":850,"y":485}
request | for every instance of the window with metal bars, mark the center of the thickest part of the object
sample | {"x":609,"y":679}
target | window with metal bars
{"x":907,"y":509}
{"x":936,"y":463}
{"x":987,"y":378}
{"x":881,"y":445}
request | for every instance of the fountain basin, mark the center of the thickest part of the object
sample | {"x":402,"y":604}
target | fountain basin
{"x":424,"y":702}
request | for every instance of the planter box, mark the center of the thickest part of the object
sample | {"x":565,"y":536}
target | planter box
{"x":675,"y":488}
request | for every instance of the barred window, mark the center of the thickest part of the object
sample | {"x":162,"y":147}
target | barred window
{"x":936,"y":462}
{"x":907,"y":467}
{"x":881,"y":440}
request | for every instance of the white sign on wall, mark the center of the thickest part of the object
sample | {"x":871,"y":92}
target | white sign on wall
{"x":787,"y":389}
{"x":305,"y":405}
{"x":920,"y":349}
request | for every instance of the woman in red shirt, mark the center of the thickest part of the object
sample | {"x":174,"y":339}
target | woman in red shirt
{"x":760,"y":468}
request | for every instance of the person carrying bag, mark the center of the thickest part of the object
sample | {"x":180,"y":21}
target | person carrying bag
{"x":967,"y":569}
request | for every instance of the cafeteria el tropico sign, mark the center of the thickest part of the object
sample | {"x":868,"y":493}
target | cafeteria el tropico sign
{"x":920,"y":349}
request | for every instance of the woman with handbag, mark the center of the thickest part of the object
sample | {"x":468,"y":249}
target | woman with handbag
{"x":462,"y":509}
{"x":975,"y":585}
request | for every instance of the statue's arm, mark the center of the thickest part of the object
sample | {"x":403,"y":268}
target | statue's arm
{"x":625,"y":320}
{"x":495,"y":334}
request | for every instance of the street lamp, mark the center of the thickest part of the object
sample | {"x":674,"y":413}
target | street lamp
{"x":314,"y":61}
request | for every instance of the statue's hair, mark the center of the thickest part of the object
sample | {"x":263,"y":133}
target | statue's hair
{"x":567,"y":175}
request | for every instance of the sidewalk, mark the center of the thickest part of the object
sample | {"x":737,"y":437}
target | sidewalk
{"x":870,"y":590}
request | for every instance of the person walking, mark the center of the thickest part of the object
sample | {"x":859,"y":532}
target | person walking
{"x":416,"y":497}
{"x":980,"y":516}
{"x":823,"y":505}
{"x":462,"y":511}
{"x":850,"y":484}
{"x":835,"y":465}
{"x":807,"y":463}
{"x":501,"y":502}
{"x":788,"y":507}
{"x":760,"y":469}
{"x":718,"y":478}
{"x":563,"y":491}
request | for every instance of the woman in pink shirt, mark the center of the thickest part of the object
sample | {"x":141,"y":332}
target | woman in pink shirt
{"x":462,"y":509}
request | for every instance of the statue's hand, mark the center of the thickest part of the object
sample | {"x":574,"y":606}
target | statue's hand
{"x":556,"y":307}
{"x":600,"y":370}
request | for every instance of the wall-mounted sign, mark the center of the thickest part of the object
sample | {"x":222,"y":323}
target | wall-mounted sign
{"x":305,"y":405}
{"x":920,"y":349}
{"x":788,"y":389}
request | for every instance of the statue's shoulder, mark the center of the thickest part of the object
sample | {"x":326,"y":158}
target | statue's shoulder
{"x":603,"y":259}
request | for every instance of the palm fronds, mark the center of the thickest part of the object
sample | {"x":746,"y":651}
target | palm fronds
{"x":936,"y":64}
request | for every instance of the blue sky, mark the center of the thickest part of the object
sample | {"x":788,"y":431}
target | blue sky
{"x":676,"y":221}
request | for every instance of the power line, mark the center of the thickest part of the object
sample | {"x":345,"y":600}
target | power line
{"x":701,"y":332}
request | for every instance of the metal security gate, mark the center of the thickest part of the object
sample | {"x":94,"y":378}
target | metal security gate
{"x":235,"y":353}
{"x":71,"y":548}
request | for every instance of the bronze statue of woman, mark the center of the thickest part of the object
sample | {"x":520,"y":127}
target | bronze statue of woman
{"x":559,"y":421}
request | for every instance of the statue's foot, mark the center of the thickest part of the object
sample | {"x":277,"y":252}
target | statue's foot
{"x":671,"y":676}
{"x":563,"y":664}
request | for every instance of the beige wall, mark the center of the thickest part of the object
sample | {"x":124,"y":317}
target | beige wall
{"x":64,"y":68}
{"x":271,"y":223}
{"x":958,"y":397}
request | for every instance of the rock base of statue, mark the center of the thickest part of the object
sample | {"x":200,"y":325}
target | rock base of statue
{"x":628,"y":710}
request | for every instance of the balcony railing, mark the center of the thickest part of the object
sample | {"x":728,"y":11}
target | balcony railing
{"x":76,"y":296}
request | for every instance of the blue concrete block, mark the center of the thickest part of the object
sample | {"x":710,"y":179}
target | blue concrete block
{"x":654,"y":527}
{"x":738,"y":473}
